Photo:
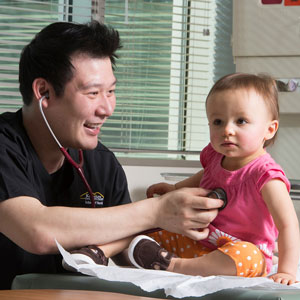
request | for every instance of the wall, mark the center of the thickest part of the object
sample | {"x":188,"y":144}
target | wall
{"x":140,"y":177}
{"x":266,"y":39}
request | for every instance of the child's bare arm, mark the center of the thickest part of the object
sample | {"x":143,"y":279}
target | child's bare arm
{"x":159,"y":189}
{"x":281,"y":207}
{"x":192,"y":181}
{"x":163,"y":187}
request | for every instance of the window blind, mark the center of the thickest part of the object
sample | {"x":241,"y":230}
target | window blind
{"x":173,"y":51}
{"x":20,"y":20}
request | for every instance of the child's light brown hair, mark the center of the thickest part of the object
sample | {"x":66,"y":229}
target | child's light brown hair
{"x":263,"y":84}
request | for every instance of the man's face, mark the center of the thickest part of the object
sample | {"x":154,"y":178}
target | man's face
{"x":88,"y":100}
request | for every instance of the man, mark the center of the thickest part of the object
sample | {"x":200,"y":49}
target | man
{"x":66,"y":74}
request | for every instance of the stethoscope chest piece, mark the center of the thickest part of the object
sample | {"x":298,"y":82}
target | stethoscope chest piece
{"x":218,"y":193}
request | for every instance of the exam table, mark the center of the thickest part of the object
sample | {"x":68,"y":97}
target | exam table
{"x":82,"y":282}
{"x":77,"y":281}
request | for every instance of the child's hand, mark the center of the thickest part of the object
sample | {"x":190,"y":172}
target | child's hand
{"x":159,"y":189}
{"x":283,"y":278}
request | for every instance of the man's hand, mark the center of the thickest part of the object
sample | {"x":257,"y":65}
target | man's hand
{"x":185,"y":211}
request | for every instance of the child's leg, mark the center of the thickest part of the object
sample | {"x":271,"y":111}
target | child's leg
{"x":179,"y":254}
{"x":114,"y":248}
{"x":99,"y":254}
{"x":179,"y":245}
{"x":204,"y":261}
{"x":249,"y":259}
{"x":213,"y":263}
{"x":239,"y":258}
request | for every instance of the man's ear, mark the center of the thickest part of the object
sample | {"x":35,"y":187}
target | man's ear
{"x":40,"y":88}
{"x":272,"y":129}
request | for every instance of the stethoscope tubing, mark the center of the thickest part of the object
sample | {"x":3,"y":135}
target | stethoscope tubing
{"x":77,"y":166}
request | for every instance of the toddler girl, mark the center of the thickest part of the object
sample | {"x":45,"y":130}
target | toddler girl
{"x":242,"y":111}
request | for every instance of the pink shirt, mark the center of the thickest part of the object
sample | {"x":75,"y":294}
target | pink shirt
{"x":246,"y":216}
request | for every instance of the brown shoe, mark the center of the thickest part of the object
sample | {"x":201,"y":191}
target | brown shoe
{"x":87,"y":255}
{"x":145,"y":253}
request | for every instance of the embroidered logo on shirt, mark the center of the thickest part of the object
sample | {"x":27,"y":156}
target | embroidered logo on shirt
{"x":87,"y":199}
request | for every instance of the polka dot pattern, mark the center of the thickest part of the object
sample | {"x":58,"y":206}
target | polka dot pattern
{"x":249,"y":260}
{"x":180,"y":245}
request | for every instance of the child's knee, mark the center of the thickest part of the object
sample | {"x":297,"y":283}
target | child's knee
{"x":249,"y":260}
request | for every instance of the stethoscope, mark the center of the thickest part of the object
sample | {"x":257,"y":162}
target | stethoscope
{"x":77,"y":166}
{"x":217,"y":193}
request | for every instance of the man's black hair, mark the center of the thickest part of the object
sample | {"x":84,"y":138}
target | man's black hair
{"x":49,"y":54}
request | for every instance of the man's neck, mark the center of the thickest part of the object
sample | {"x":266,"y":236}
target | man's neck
{"x":44,"y":144}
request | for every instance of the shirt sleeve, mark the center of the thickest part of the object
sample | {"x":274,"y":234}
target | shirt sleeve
{"x":120,"y":190}
{"x":206,"y":155}
{"x":113,"y":178}
{"x":14,"y":175}
{"x":273,"y":171}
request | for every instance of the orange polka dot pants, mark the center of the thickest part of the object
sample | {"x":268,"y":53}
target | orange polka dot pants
{"x":248,"y":259}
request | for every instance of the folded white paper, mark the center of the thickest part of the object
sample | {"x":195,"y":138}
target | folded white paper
{"x":174,"y":284}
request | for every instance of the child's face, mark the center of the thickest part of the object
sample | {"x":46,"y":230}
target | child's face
{"x":239,"y":123}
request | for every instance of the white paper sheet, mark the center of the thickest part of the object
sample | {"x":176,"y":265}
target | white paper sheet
{"x":174,"y":284}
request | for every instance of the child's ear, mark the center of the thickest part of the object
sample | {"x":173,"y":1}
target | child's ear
{"x":272,"y":129}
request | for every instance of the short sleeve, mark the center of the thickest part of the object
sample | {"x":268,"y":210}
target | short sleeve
{"x":206,"y":155}
{"x":14,"y":179}
{"x":107,"y":176}
{"x":275,"y":172}
{"x":121,"y":193}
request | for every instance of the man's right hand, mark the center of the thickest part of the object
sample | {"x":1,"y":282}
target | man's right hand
{"x":186,"y":211}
